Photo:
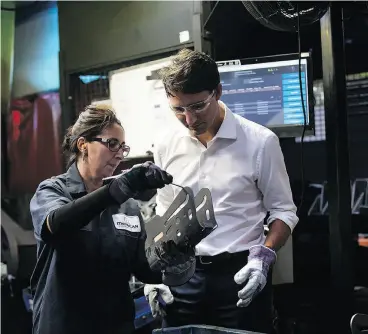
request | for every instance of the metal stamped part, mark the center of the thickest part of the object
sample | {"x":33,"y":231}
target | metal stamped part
{"x":186,"y":222}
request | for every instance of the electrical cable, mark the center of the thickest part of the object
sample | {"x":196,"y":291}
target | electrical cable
{"x":304,"y":112}
{"x":176,"y":185}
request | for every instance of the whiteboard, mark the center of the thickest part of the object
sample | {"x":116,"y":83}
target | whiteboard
{"x":141,"y":104}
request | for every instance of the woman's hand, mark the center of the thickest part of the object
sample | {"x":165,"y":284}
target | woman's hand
{"x":138,"y":179}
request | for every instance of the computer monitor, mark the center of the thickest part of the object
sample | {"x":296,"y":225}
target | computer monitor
{"x":267,"y":91}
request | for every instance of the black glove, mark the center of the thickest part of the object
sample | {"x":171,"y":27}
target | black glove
{"x":177,"y":264}
{"x":138,"y":179}
{"x":167,"y":254}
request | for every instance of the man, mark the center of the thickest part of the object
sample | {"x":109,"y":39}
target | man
{"x":242,"y":164}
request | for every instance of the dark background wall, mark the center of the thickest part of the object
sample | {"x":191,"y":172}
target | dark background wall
{"x":93,"y":34}
{"x":315,"y":152}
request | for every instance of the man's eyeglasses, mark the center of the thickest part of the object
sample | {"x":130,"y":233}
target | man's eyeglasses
{"x":113,"y":145}
{"x":196,"y":108}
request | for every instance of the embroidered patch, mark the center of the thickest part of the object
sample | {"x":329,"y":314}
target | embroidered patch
{"x":128,"y":223}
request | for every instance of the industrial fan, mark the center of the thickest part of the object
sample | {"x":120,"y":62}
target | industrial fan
{"x":283,"y":15}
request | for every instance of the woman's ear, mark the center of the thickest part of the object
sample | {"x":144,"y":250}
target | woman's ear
{"x":81,"y":144}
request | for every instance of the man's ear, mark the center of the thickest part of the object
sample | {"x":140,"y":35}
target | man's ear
{"x":218,"y":92}
{"x":81,"y":144}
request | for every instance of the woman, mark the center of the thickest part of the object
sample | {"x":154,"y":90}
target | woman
{"x":90,"y":236}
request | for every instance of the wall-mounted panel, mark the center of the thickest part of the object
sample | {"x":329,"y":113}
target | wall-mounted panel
{"x":36,"y":50}
{"x":99,"y":33}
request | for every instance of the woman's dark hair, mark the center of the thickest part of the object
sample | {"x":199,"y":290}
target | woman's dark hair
{"x":90,"y":123}
{"x":190,"y":72}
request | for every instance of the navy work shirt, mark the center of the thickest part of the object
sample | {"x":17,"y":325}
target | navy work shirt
{"x":81,"y":280}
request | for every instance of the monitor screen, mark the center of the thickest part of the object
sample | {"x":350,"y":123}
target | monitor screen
{"x":268,"y":92}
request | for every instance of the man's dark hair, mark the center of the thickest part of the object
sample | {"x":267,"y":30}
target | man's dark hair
{"x":190,"y":72}
{"x":90,"y":123}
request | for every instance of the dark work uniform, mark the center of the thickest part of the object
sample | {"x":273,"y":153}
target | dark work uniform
{"x":81,"y":279}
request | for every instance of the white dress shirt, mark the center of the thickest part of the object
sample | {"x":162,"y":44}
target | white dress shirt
{"x":243,"y":167}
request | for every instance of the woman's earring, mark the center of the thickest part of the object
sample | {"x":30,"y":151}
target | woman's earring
{"x":84,"y":154}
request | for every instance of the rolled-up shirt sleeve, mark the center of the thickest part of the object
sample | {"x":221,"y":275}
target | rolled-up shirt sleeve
{"x":273,"y":182}
{"x":48,"y":197}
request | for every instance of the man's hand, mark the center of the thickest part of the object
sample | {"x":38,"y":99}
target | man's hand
{"x":254,"y":273}
{"x":153,"y":293}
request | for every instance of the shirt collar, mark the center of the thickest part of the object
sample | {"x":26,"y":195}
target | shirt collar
{"x":74,"y":181}
{"x":227,"y":129}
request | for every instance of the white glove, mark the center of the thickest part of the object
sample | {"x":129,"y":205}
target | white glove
{"x":152,"y":293}
{"x":254,"y":273}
